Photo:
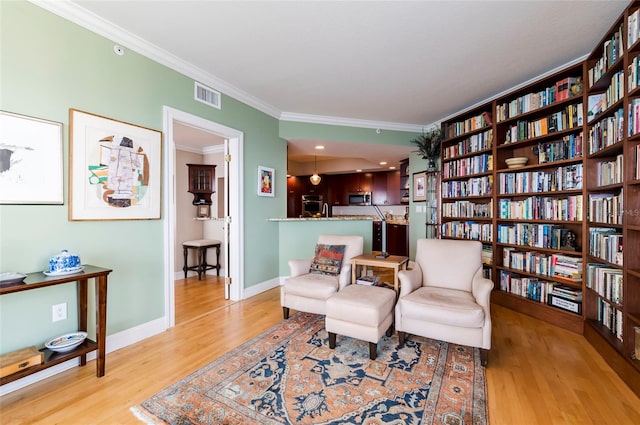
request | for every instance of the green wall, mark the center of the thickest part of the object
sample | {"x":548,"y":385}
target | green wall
{"x":48,"y":65}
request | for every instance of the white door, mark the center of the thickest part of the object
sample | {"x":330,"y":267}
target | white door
{"x":233,"y":220}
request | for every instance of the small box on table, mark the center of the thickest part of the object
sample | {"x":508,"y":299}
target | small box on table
{"x":18,"y":360}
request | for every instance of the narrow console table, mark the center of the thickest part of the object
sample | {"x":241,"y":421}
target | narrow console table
{"x":40,"y":280}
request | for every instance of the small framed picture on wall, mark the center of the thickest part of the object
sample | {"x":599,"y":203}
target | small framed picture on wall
{"x":419,"y":187}
{"x":266,"y":180}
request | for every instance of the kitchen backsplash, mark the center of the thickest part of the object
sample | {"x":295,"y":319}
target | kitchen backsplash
{"x":399,"y":210}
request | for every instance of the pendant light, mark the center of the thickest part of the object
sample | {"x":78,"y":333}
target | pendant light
{"x":315,"y":179}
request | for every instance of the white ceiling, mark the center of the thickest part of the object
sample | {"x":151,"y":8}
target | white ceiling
{"x":376,"y":64}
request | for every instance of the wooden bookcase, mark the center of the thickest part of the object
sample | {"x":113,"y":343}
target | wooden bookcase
{"x":583,"y":151}
{"x":467,"y":204}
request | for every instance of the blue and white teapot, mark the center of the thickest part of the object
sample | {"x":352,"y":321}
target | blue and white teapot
{"x":64,"y":262}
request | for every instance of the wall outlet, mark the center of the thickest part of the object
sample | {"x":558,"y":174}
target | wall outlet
{"x":58,"y":312}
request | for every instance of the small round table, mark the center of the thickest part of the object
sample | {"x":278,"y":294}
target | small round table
{"x":201,"y":245}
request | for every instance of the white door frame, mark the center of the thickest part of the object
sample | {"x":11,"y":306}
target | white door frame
{"x":236,"y":260}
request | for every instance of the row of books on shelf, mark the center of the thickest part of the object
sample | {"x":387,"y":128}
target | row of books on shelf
{"x":548,"y":236}
{"x":569,"y":117}
{"x":597,"y":103}
{"x":467,"y":209}
{"x":612,"y":51}
{"x":474,"y":143}
{"x":476,"y":164}
{"x":606,"y":208}
{"x":470,"y":124}
{"x":610,"y":172}
{"x":606,"y":243}
{"x":567,"y":177}
{"x":560,"y":90}
{"x":606,"y":132}
{"x":551,"y":293}
{"x":633,"y":74}
{"x":569,"y":147}
{"x":474,"y":186}
{"x":468,"y":230}
{"x":568,"y":208}
{"x":557,"y":265}
{"x":610,"y":317}
{"x":606,"y":281}
{"x":634,"y":116}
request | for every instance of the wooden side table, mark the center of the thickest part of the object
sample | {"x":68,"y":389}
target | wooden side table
{"x":39,"y":280}
{"x":395,"y":262}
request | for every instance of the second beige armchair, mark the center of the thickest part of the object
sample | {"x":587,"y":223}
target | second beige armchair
{"x":444,"y":295}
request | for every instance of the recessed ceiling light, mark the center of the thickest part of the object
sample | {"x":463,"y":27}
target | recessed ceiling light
{"x":392,"y":168}
{"x":383,"y":163}
{"x":319,"y":147}
{"x":358,"y":170}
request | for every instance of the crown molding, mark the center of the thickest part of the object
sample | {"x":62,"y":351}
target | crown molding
{"x":350,"y":122}
{"x":94,"y":23}
{"x":89,"y":20}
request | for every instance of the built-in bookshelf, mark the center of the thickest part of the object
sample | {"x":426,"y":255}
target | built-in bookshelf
{"x":562,"y":230}
{"x":467,"y":180}
{"x":540,"y":205}
{"x":612,"y":287}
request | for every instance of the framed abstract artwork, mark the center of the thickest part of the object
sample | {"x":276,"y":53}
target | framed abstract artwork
{"x":115,"y":169}
{"x":30,"y":160}
{"x":266,"y":180}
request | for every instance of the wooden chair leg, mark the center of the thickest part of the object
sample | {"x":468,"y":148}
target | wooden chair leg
{"x":332,"y":340}
{"x":401,"y":337}
{"x":373,"y":350}
{"x":484,"y":356}
{"x":285,"y":312}
{"x":185,"y":253}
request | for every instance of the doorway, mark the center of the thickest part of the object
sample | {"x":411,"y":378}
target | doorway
{"x":233,"y":246}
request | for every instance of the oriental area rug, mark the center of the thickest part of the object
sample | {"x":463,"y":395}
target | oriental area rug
{"x":289,"y":375}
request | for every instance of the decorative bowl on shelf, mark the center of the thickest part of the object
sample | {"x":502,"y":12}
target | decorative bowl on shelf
{"x":63,"y":263}
{"x":66,"y":342}
{"x":516,"y":162}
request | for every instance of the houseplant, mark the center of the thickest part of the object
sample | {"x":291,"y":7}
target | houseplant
{"x":429,"y":146}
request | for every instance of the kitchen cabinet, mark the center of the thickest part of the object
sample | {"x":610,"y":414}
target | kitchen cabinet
{"x":393,"y":183}
{"x":397,"y":238}
{"x":301,"y":185}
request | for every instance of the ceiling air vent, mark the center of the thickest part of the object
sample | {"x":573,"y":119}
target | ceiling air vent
{"x":207,"y":95}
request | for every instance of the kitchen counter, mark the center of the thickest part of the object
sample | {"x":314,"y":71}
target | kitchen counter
{"x":393,"y":220}
{"x":341,"y":218}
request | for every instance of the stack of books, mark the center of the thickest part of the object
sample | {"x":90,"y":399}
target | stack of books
{"x":368,"y":280}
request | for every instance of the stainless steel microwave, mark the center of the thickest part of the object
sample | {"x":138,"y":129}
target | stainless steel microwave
{"x":360,"y":198}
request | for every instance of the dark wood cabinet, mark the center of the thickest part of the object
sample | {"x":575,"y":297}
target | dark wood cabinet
{"x":393,"y":183}
{"x":397,"y":239}
{"x":201,"y":182}
{"x":404,"y":182}
{"x":301,"y":185}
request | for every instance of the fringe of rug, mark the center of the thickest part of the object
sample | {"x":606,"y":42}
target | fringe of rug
{"x":144,"y":417}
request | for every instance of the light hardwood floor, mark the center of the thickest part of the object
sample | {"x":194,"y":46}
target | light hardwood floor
{"x":537,"y":373}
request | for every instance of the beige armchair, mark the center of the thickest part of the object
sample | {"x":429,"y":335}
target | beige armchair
{"x":444,"y":296}
{"x":308,"y":292}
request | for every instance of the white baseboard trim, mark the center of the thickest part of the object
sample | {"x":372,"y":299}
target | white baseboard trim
{"x":114,"y":342}
{"x":261,"y":287}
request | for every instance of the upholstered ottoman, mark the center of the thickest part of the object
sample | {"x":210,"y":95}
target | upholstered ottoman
{"x":361,"y":312}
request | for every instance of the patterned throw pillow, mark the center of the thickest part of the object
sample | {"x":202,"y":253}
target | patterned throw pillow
{"x":328,"y":259}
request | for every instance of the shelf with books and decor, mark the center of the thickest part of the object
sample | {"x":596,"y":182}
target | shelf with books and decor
{"x":539,"y":199}
{"x":467,"y":179}
{"x":612,"y":196}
